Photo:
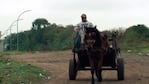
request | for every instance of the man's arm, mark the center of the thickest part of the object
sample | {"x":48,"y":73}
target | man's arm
{"x":76,"y":28}
{"x":89,"y":24}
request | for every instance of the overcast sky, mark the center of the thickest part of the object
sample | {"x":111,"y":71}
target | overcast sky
{"x":106,"y":14}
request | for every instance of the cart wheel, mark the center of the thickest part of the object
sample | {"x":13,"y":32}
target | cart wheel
{"x":120,"y":68}
{"x":72,"y":70}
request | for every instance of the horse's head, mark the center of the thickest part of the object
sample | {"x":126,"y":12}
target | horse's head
{"x":92,"y":37}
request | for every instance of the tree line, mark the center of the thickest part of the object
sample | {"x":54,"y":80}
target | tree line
{"x":46,"y":36}
{"x":42,"y":36}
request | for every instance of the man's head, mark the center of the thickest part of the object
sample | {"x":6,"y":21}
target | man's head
{"x":84,"y":17}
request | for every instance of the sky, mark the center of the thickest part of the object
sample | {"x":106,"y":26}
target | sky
{"x":105,"y":14}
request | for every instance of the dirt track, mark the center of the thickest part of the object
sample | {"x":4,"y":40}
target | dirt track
{"x":136,"y":68}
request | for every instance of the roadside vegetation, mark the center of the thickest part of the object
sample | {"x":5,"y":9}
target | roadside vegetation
{"x":12,"y":72}
{"x":135,"y":39}
{"x":45,"y":36}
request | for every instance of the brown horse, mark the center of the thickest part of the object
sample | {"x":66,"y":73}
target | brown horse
{"x":95,"y":45}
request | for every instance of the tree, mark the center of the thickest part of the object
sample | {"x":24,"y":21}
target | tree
{"x":40,"y":23}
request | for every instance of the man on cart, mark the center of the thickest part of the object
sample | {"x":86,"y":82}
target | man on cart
{"x":79,"y":29}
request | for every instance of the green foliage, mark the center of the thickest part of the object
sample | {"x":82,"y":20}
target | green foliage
{"x":135,"y":38}
{"x":58,"y":38}
{"x":46,"y":36}
{"x":136,"y":34}
{"x":40,"y":23}
{"x":15,"y":73}
{"x":43,"y":36}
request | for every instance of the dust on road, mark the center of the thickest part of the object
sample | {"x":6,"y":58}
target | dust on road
{"x":136,"y":68}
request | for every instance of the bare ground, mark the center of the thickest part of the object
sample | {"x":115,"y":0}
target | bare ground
{"x":136,"y":68}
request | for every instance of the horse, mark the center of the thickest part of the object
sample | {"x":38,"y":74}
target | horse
{"x":94,"y":45}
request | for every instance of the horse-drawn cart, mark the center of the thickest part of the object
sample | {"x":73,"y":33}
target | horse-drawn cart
{"x":111,"y":61}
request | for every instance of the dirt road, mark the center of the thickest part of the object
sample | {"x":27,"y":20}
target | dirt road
{"x":136,"y":68}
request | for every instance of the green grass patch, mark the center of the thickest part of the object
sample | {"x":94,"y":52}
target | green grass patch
{"x":135,"y":48}
{"x":11,"y":53}
{"x":19,"y":73}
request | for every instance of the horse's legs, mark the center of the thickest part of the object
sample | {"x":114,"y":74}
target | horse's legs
{"x":92,"y":72}
{"x":92,"y":69}
{"x":98,"y":74}
{"x":99,"y":65}
{"x":97,"y":70}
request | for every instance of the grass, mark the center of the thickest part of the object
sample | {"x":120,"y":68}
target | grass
{"x":18,"y":73}
{"x":11,"y":53}
{"x":136,"y":48}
